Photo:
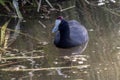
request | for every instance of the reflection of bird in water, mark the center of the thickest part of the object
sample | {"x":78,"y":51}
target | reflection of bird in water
{"x":72,"y":37}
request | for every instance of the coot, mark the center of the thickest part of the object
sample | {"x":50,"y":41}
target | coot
{"x":69,"y":33}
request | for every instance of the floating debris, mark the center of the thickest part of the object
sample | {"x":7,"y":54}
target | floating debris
{"x":80,"y":62}
{"x":83,"y":66}
{"x":43,"y":43}
{"x":113,"y":1}
{"x":100,"y":4}
{"x":105,"y":68}
{"x":66,"y":57}
{"x":117,"y":47}
{"x":31,"y":73}
{"x":91,"y":30}
{"x":55,"y":62}
{"x":13,"y":79}
{"x":74,"y":60}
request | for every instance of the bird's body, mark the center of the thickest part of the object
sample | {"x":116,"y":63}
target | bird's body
{"x":70,"y":34}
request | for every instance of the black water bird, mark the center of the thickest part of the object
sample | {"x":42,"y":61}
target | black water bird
{"x":69,"y":33}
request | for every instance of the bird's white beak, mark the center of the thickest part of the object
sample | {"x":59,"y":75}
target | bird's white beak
{"x":57,"y":23}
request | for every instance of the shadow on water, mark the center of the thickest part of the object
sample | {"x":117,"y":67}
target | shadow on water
{"x":100,"y":60}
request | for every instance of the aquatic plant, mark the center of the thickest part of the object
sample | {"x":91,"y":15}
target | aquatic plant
{"x":3,"y":34}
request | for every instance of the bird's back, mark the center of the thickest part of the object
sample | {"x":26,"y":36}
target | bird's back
{"x":78,"y":32}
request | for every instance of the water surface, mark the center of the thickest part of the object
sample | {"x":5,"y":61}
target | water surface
{"x":99,"y":61}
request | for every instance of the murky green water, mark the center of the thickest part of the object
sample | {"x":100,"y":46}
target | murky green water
{"x":100,"y":60}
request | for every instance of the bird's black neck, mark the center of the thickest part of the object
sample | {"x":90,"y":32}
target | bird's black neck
{"x":64,"y":31}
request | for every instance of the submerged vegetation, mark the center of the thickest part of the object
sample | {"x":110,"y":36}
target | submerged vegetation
{"x":20,"y":10}
{"x":25,"y":9}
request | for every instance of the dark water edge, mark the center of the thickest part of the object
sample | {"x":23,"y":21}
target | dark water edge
{"x":100,"y":60}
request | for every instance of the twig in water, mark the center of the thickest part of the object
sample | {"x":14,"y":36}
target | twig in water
{"x":51,"y":68}
{"x":39,"y":5}
{"x":22,"y":57}
{"x":42,"y":24}
{"x":11,"y":63}
{"x":87,"y":1}
{"x":67,"y":8}
{"x":49,"y":4}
